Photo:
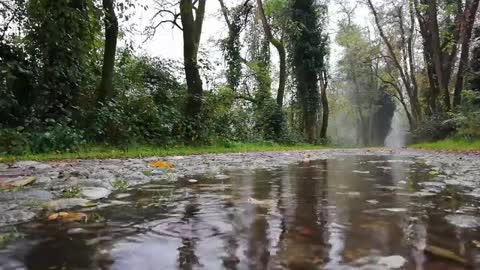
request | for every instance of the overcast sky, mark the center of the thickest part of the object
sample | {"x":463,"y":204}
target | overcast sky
{"x":168,"y":43}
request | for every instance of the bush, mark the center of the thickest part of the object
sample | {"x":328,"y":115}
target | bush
{"x":13,"y":142}
{"x":468,"y":116}
{"x":56,"y":137}
{"x":434,"y":128}
{"x":271,"y":122}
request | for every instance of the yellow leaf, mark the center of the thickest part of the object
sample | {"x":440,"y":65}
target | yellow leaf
{"x":161,"y":164}
{"x":67,"y":217}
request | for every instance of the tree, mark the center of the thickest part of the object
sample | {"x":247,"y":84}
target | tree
{"x":191,"y":14}
{"x":468,"y":20}
{"x":308,"y":60}
{"x":360,"y":77}
{"x":61,"y":36}
{"x":441,"y":42}
{"x":400,"y":59}
{"x":236,"y":20}
{"x":474,"y":65}
{"x":192,"y":31}
{"x":105,"y":88}
{"x":282,"y":54}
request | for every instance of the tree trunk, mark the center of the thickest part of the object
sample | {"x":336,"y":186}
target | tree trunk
{"x":105,"y":89}
{"x":466,"y":35}
{"x":281,"y":53}
{"x":325,"y":106}
{"x":192,"y":29}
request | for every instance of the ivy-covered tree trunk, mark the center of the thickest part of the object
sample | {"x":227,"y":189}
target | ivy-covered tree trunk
{"x":105,"y":88}
{"x":192,"y":30}
{"x":308,"y":52}
{"x":282,"y":54}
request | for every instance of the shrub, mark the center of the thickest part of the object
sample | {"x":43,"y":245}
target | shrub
{"x":13,"y":142}
{"x":434,"y":128}
{"x":468,"y":116}
{"x":56,"y":137}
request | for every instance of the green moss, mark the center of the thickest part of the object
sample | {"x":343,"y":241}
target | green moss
{"x":104,"y":152}
{"x":450,"y":145}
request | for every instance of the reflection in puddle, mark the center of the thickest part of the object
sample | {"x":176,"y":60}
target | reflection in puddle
{"x":355,"y":213}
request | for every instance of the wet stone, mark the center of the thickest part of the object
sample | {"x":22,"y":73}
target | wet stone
{"x":15,"y":216}
{"x":32,"y":194}
{"x":95,"y":193}
{"x":62,"y":204}
{"x":464,"y":221}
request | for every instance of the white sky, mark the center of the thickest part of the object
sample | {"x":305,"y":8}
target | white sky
{"x":168,"y":41}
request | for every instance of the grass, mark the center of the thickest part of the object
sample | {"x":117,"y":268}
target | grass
{"x":105,"y":152}
{"x":450,"y":145}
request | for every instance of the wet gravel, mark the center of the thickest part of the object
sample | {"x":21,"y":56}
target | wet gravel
{"x":93,"y":180}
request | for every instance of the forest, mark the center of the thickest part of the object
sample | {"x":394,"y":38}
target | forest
{"x":291,"y":72}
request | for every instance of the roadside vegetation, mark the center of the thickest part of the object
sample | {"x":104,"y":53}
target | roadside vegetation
{"x":73,"y":83}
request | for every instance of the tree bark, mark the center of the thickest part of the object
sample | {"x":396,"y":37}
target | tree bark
{"x":325,"y":105}
{"x":192,"y":30}
{"x":466,"y":37}
{"x":278,"y":44}
{"x":105,"y":89}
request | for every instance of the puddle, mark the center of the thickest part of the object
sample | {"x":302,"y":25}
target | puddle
{"x":327,"y":214}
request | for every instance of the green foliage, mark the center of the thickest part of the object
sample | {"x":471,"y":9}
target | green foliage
{"x":468,"y":116}
{"x":61,"y":39}
{"x":435,"y":127}
{"x":271,"y":122}
{"x":450,"y":145}
{"x":223,"y":121}
{"x":13,"y":142}
{"x":56,"y":137}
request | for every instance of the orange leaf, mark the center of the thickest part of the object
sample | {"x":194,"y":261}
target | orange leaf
{"x":67,"y":217}
{"x":162,"y":164}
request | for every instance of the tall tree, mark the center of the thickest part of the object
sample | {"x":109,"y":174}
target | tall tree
{"x":466,"y":29}
{"x":308,"y":55}
{"x":474,"y":65}
{"x":236,"y":20}
{"x":400,"y":57}
{"x":325,"y":106}
{"x":105,"y":88}
{"x":192,"y":15}
{"x":60,"y":37}
{"x":282,"y":54}
{"x":442,"y":39}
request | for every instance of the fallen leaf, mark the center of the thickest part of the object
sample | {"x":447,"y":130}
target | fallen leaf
{"x":162,"y":165}
{"x":433,"y":173}
{"x":18,"y":182}
{"x":68,"y":217}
